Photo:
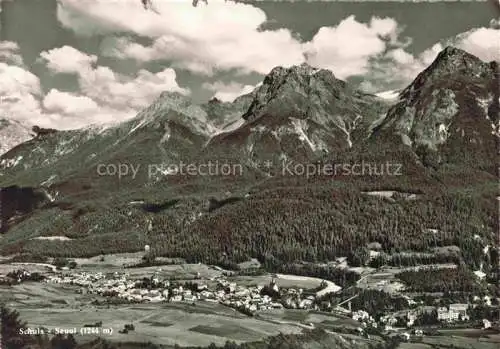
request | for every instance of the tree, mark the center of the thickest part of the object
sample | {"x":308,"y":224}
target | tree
{"x":359,"y":257}
{"x":63,"y":342}
{"x":428,"y":319}
{"x":60,"y":262}
{"x":378,"y":261}
{"x":10,"y":326}
{"x":149,"y":258}
{"x":231,"y":345}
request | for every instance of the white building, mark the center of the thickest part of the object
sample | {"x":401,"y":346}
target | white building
{"x":454,"y":312}
{"x":360,"y":315}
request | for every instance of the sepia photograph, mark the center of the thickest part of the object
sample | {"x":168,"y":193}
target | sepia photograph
{"x":249,"y":174}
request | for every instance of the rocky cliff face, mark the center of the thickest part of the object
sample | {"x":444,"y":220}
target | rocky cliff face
{"x":450,"y":111}
{"x":301,"y":113}
{"x":447,"y":114}
{"x":168,"y":130}
{"x":227,"y":116}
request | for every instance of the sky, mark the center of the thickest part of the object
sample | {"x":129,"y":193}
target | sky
{"x":71,"y":63}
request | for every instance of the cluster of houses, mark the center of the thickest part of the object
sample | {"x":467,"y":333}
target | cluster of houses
{"x":18,"y":276}
{"x":453,"y":313}
{"x":385,"y":323}
{"x":240,"y":297}
{"x":247,"y":299}
{"x":398,"y":322}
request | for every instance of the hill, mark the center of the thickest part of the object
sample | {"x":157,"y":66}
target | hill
{"x":284,"y":174}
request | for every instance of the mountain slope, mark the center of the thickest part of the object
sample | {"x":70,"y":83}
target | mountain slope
{"x":166,"y":131}
{"x":449,"y":113}
{"x":227,"y":116}
{"x":324,"y":115}
{"x":300,"y":113}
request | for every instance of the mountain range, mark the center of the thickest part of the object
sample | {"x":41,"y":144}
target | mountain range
{"x":442,"y":130}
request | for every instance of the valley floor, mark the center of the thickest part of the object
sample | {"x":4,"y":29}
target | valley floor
{"x":66,"y":307}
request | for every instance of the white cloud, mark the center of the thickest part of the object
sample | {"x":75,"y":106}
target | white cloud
{"x":67,"y":59}
{"x":68,"y":103}
{"x":223,"y":35}
{"x":20,"y":96}
{"x":482,"y":42}
{"x":397,"y":68}
{"x":9,"y":46}
{"x":109,"y":88}
{"x":495,"y":23}
{"x":400,"y":56}
{"x":104,"y":96}
{"x":226,"y":36}
{"x":347,"y":48}
{"x":9,"y":53}
{"x":220,"y":36}
{"x":228,"y":92}
{"x":21,"y":99}
{"x":17,"y":80}
{"x":19,"y":92}
{"x":68,"y":110}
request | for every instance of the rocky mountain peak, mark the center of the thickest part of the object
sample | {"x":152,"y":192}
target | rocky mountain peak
{"x":454,"y":64}
{"x":294,"y":91}
{"x":453,"y":60}
{"x":279,"y":74}
{"x":173,"y":107}
{"x":449,"y":110}
{"x":299,"y":113}
{"x":302,"y":74}
{"x":214,"y":100}
{"x":454,"y":55}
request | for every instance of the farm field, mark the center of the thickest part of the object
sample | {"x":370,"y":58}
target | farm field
{"x":56,"y":306}
{"x":60,"y":306}
{"x":282,"y":280}
{"x":461,"y":342}
{"x":163,"y":324}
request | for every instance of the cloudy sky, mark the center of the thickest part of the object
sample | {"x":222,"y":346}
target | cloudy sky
{"x":71,"y":63}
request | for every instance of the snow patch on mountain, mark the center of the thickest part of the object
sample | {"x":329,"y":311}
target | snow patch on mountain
{"x":299,"y":126}
{"x":348,"y":127}
{"x":49,"y":181}
{"x":64,"y":147}
{"x":12,"y":133}
{"x":166,"y":136}
{"x":391,"y":95}
{"x":232,"y":125}
{"x":484,"y":103}
{"x":11,"y":162}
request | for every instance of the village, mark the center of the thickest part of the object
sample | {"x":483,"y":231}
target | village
{"x":119,"y":288}
{"x":289,"y":298}
{"x":246,"y":299}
